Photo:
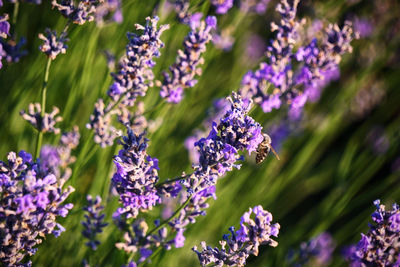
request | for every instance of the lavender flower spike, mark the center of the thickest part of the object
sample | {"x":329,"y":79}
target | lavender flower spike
{"x":133,"y":78}
{"x":94,"y":221}
{"x":42,"y":124}
{"x":4,"y":26}
{"x":187,"y":63}
{"x":78,"y":13}
{"x":53,"y":44}
{"x":238,"y":246}
{"x":381,"y":245}
{"x":136,"y":176}
{"x":31,"y":200}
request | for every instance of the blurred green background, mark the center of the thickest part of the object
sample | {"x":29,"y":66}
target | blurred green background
{"x":343,"y":154}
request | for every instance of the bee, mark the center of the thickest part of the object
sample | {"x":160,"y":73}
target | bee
{"x":263,"y":149}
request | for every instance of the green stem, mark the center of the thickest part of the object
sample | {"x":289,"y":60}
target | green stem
{"x":43,"y":106}
{"x":15,"y":13}
{"x":171,"y":217}
{"x":177,"y":211}
{"x":173,"y":180}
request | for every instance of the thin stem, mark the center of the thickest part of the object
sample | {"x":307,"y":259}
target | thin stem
{"x":66,"y":26}
{"x":171,"y":217}
{"x":173,"y":180}
{"x":15,"y":13}
{"x":160,"y":102}
{"x":177,"y":211}
{"x":43,"y":106}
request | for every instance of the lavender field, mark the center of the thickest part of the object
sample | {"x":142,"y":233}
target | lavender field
{"x":199,"y":133}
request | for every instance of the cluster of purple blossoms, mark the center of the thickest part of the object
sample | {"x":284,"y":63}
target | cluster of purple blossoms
{"x":186,"y":67}
{"x":239,"y":245}
{"x":55,"y":157}
{"x":136,"y":176}
{"x":44,"y":123}
{"x":255,"y":6}
{"x":316,"y":252}
{"x":276,"y":82}
{"x":133,"y":78}
{"x":32,"y":197}
{"x":181,"y":8}
{"x":78,"y":13}
{"x":215,"y":113}
{"x":94,"y":223}
{"x":138,"y":241}
{"x":109,"y":10}
{"x":4,"y":32}
{"x":381,"y":245}
{"x":222,"y":6}
{"x":53,"y":44}
{"x":10,"y":49}
{"x":4,"y":26}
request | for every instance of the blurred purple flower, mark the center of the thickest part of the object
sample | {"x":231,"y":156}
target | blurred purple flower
{"x":363,"y":26}
{"x":222,"y":6}
{"x":12,"y":50}
{"x":109,"y":10}
{"x":256,"y":6}
{"x":255,"y":48}
{"x":378,"y":140}
{"x":317,"y":251}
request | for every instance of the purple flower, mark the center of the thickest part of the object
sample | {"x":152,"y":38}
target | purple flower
{"x":256,"y":6}
{"x":289,"y":76}
{"x":223,"y":40}
{"x":12,"y":50}
{"x":380,"y":245}
{"x":31,"y":201}
{"x":4,"y":26}
{"x":270,"y":103}
{"x":236,"y":247}
{"x":53,"y":44}
{"x":136,"y":176}
{"x":94,"y":222}
{"x":108,"y":10}
{"x":255,"y":48}
{"x":42,"y":124}
{"x":222,"y":6}
{"x":186,"y":67}
{"x":318,"y":250}
{"x":363,"y":26}
{"x":78,"y":13}
{"x":133,"y":78}
{"x":179,"y":239}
